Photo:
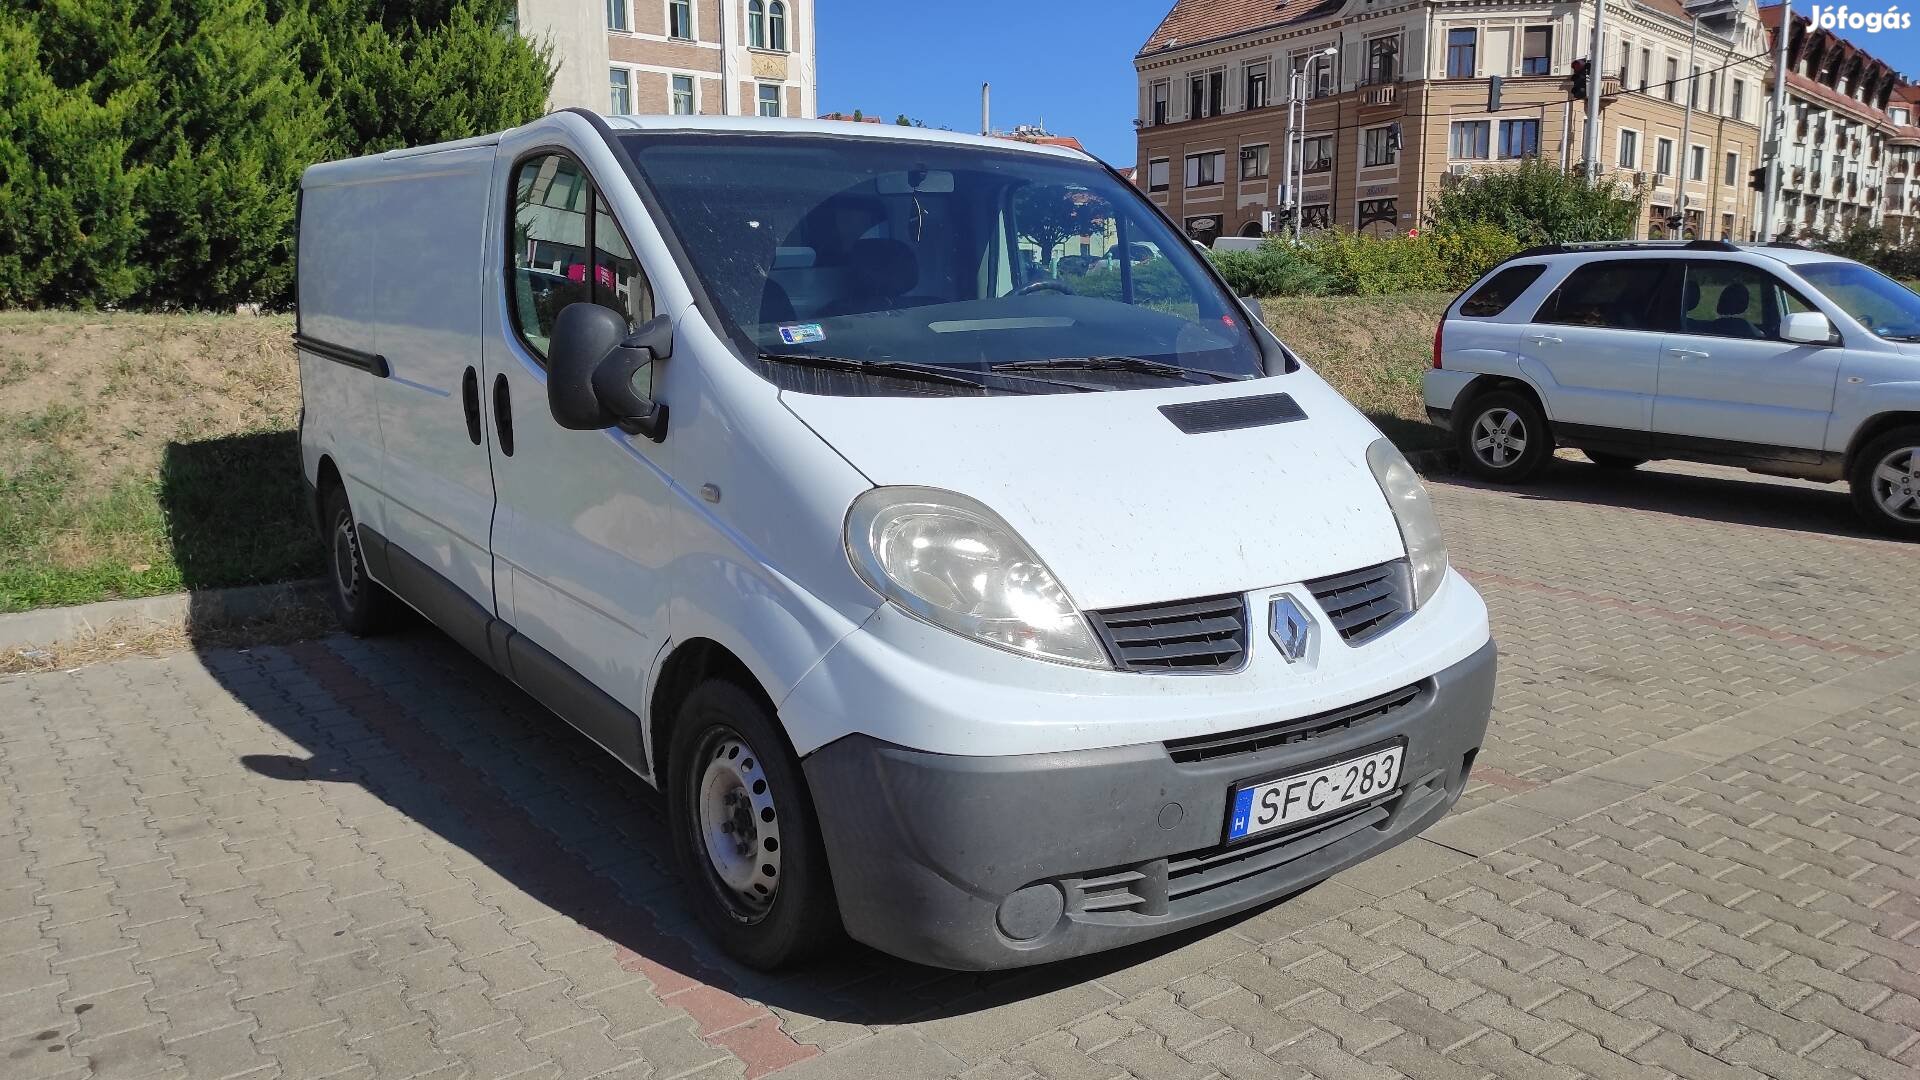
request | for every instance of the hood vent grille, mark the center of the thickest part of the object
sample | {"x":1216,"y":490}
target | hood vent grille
{"x":1230,"y":414}
{"x":1366,"y":603}
{"x":1189,"y":636}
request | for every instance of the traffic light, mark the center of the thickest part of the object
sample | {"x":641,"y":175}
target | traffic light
{"x":1757,"y":179}
{"x":1579,"y":79}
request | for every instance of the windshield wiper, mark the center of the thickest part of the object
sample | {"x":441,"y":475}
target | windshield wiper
{"x":898,"y":369}
{"x":1113,"y":363}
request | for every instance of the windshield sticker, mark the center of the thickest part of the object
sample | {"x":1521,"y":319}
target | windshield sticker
{"x":802,"y":333}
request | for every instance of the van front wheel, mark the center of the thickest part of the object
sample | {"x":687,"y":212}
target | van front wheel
{"x":745,"y":832}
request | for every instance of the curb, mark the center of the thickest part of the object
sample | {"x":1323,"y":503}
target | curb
{"x":202,"y":608}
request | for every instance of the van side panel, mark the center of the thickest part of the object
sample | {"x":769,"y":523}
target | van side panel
{"x":335,"y":290}
{"x":426,"y":224}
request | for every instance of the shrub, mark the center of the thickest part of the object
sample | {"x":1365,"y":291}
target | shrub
{"x":1362,"y":264}
{"x":1469,"y":250}
{"x":1277,"y":268}
{"x":1538,"y":204}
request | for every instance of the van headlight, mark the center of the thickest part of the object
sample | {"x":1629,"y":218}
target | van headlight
{"x":1419,"y":529}
{"x":951,"y":561}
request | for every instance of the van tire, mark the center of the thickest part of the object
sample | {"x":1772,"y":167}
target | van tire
{"x":363,"y":606}
{"x":1615,"y":461}
{"x":1507,"y":418}
{"x":1898,"y":450}
{"x":728,"y":759}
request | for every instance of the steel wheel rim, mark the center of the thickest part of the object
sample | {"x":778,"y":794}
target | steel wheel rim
{"x":737,"y":824}
{"x":1896,"y":485}
{"x":346,"y":559}
{"x":1499,"y":438}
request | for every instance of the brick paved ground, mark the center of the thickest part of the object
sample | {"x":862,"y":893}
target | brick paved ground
{"x":1692,"y":848}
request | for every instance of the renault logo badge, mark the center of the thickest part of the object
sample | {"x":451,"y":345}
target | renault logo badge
{"x":1290,"y":627}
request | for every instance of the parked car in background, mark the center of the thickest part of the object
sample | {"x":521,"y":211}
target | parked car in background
{"x":993,"y":621}
{"x":1238,"y":243}
{"x":1773,"y":358}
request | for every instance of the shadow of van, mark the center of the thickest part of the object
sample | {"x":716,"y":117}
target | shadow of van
{"x":235,"y":510}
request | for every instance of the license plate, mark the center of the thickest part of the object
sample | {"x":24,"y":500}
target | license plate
{"x":1273,"y":804}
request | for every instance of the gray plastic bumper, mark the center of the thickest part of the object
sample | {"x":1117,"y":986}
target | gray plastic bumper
{"x":997,"y":862}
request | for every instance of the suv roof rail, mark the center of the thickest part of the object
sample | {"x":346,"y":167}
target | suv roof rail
{"x":1629,"y":245}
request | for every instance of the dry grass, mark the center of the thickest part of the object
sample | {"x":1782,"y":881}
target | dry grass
{"x":1373,"y":350}
{"x":299,"y":619}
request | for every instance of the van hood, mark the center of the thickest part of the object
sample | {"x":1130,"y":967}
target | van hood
{"x":1125,"y":507}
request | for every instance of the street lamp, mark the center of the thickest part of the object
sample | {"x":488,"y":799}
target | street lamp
{"x":1296,"y":166}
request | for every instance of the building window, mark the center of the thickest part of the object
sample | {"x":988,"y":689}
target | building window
{"x":1157,"y":174}
{"x":1205,"y":92}
{"x":1162,"y":93}
{"x":1731,"y":169}
{"x":1626,"y":62}
{"x":1204,"y":170}
{"x":1258,"y":79}
{"x":777,"y":25}
{"x":1460,"y":53}
{"x":682,"y":104}
{"x":1536,"y":51}
{"x":1646,"y":68}
{"x":1519,"y":138}
{"x":1629,"y":149}
{"x":1713,"y":90}
{"x":1899,"y":115}
{"x":1693,"y":88}
{"x":1739,"y":99}
{"x":1318,"y":71}
{"x":1379,"y":148}
{"x":621,"y":100}
{"x":1253,"y":162}
{"x":769,"y":98}
{"x":680,"y":19}
{"x":1663,"y":158}
{"x":1468,"y":140}
{"x":756,"y":24}
{"x":1696,"y":162}
{"x":1316,"y":154}
{"x":617,"y":15}
{"x":1383,"y":59}
{"x":1673,"y":79}
{"x":1382,"y":212}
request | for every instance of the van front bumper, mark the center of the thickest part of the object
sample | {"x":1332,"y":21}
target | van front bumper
{"x":995,"y":862}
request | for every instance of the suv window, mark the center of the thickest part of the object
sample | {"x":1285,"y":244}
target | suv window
{"x":1734,"y":300}
{"x":1501,"y":290}
{"x":1620,"y":294}
{"x":548,"y":246}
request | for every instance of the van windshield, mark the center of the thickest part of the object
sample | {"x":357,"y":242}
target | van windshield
{"x":862,"y":251}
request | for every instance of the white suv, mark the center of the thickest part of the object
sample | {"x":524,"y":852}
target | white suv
{"x":1774,"y":358}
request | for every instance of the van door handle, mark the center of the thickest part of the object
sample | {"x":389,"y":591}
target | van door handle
{"x":502,"y":415}
{"x":1544,"y":339}
{"x":470,"y":400}
{"x":1689,"y":353}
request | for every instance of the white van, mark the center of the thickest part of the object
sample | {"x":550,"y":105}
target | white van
{"x":995,"y":620}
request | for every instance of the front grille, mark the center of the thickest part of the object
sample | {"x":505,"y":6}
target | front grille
{"x":1191,"y":636}
{"x":1366,"y":603}
{"x":1252,"y":740}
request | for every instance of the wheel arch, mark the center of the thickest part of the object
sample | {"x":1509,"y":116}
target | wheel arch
{"x":1874,"y":427}
{"x":326,"y":477}
{"x":686,"y":665}
{"x":1482,"y":385}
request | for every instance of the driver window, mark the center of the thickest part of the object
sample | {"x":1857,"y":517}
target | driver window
{"x":553,"y":241}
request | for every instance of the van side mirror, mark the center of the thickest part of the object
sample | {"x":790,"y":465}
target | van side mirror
{"x":600,"y":374}
{"x":1807,"y":328}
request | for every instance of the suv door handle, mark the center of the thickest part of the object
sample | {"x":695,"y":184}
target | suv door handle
{"x":502,"y":415}
{"x":470,"y":401}
{"x":1701,"y":353}
{"x":1544,"y":339}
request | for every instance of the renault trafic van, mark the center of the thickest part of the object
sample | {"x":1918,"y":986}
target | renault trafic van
{"x":992,"y":610}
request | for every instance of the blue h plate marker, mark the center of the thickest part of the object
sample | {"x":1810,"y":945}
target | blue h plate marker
{"x":1242,"y":814}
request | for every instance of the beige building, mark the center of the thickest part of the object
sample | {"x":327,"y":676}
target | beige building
{"x":732,"y":57}
{"x":1399,"y":99}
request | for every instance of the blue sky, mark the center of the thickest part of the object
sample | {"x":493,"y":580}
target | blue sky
{"x":1065,"y":63}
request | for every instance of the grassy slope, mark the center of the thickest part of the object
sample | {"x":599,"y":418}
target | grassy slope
{"x":142,"y":454}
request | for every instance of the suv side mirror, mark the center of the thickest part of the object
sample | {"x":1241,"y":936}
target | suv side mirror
{"x":600,"y":375}
{"x":1807,"y":328}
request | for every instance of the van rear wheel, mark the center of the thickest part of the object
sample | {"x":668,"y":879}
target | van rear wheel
{"x":1886,"y":483}
{"x":745,"y":831}
{"x":1503,"y":437}
{"x":363,"y":606}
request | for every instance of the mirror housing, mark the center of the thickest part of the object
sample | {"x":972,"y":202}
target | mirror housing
{"x":1807,"y":328}
{"x":593,"y":362}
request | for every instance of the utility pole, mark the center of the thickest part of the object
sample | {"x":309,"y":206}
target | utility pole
{"x":1286,"y":173}
{"x":1686,"y":129}
{"x":1592,"y":143}
{"x":1770,"y":148}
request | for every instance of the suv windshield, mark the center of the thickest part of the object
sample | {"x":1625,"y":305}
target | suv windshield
{"x":1876,"y":301}
{"x":863,"y":251}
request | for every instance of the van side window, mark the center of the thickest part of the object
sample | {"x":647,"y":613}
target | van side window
{"x":1501,"y":290}
{"x":1734,"y":300}
{"x":1620,"y":294}
{"x":561,"y":254}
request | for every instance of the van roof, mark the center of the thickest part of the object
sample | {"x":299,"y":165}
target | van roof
{"x":769,"y":125}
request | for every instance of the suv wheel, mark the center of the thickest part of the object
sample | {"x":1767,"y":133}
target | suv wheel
{"x":1886,"y":483}
{"x":363,"y":606}
{"x":745,"y":832}
{"x":1503,"y":436}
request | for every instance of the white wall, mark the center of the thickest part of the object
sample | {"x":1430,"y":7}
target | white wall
{"x":577,"y":32}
